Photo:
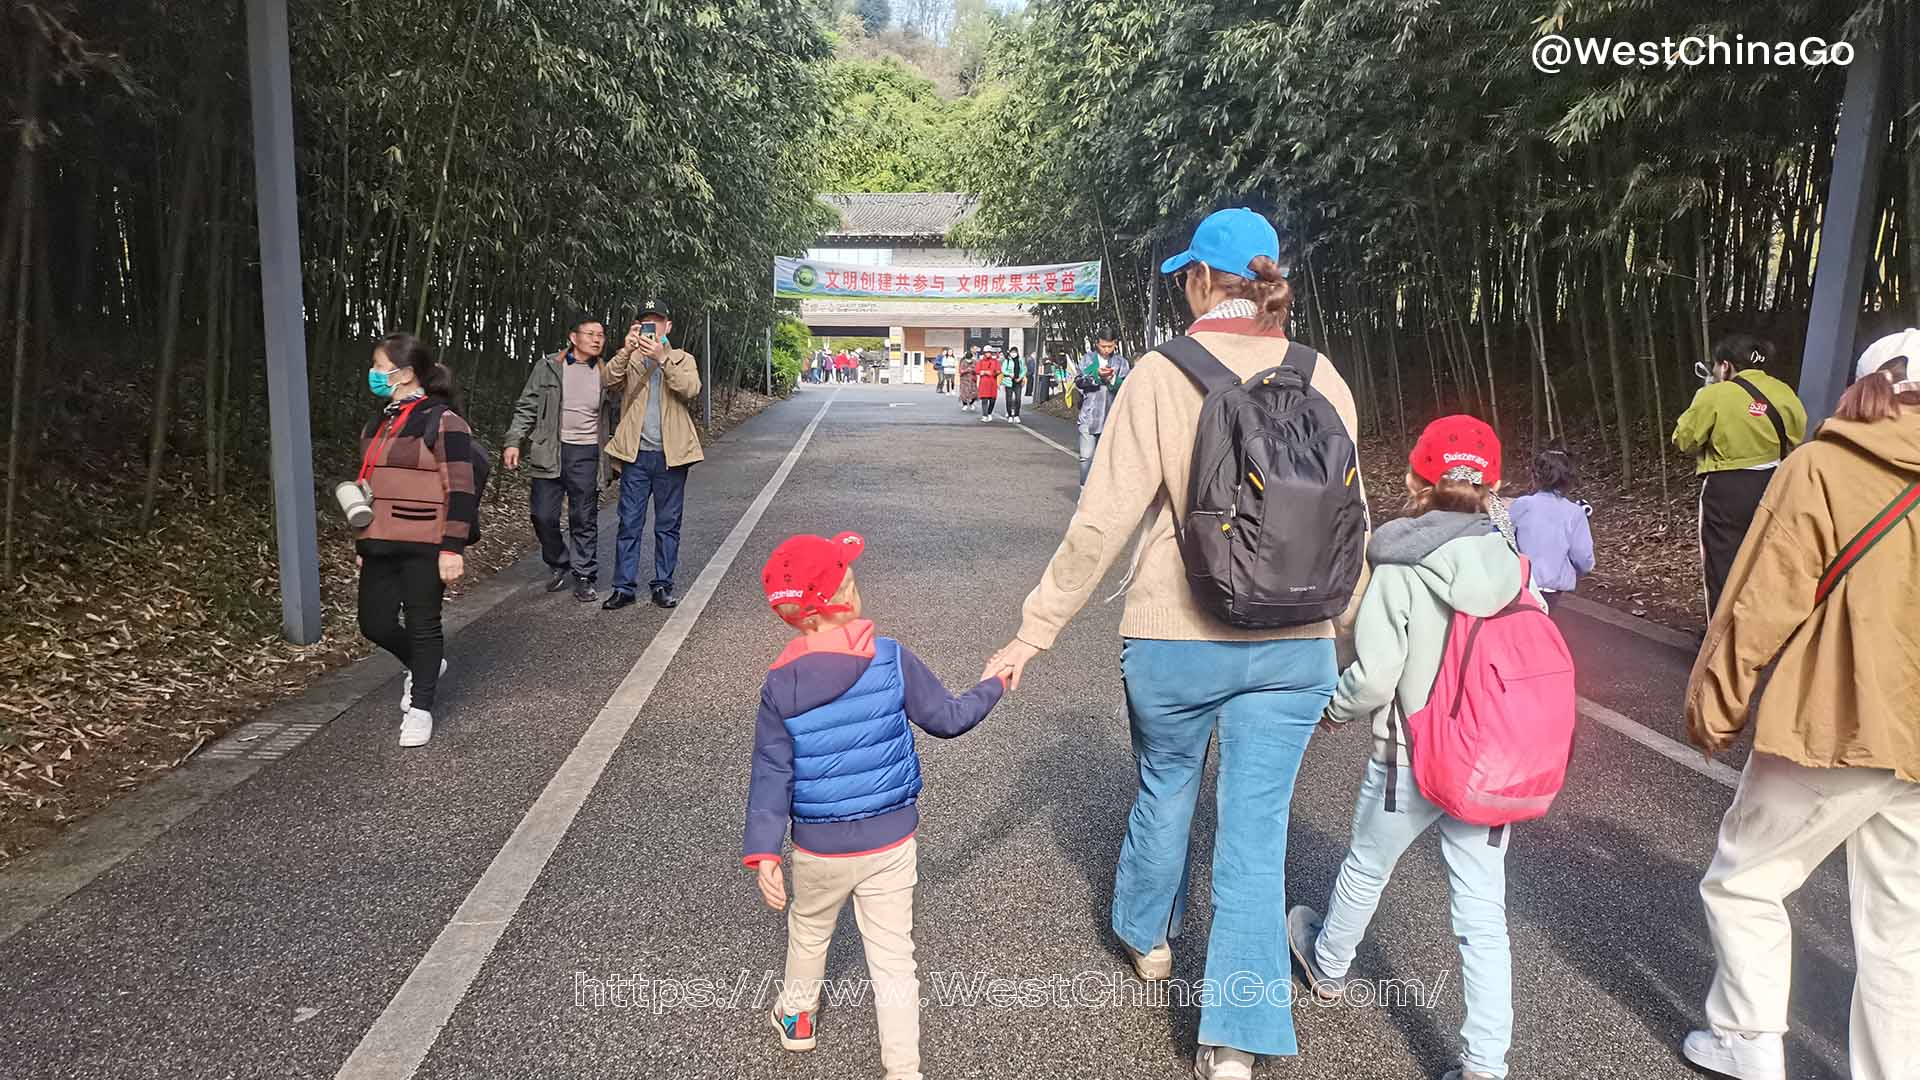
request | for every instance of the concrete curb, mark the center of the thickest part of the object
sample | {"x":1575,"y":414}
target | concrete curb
{"x":36,"y":882}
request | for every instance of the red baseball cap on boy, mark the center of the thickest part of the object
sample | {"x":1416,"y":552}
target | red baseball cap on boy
{"x":1457,"y":442}
{"x":807,"y":570}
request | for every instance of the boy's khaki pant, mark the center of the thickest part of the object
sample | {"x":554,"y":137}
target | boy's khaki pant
{"x":1785,"y":820}
{"x":881,"y":885}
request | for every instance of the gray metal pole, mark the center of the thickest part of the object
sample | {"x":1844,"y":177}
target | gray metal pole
{"x":769,"y":359}
{"x":271,"y":77}
{"x":706,"y":380}
{"x":1846,"y":233}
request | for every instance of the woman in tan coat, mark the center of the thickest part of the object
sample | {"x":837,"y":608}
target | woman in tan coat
{"x":1823,"y":591}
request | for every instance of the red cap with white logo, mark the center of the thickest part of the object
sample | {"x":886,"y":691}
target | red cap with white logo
{"x":807,"y":570}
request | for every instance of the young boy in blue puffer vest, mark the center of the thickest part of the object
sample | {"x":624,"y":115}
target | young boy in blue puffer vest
{"x":833,"y":754}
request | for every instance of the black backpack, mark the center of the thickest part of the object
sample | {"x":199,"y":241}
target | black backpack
{"x":476,"y":454}
{"x":1275,"y":529}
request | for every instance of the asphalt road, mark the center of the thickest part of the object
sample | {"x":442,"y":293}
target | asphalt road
{"x":267,"y":934}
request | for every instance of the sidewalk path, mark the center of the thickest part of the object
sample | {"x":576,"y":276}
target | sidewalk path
{"x":270,"y":932}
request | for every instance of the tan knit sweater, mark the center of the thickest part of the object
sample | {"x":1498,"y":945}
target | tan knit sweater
{"x":1142,"y":466}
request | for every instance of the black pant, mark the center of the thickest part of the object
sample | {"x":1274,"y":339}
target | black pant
{"x":1728,"y":500}
{"x":390,"y":584}
{"x":579,"y":482}
{"x":986,"y":406}
{"x":1013,"y":401}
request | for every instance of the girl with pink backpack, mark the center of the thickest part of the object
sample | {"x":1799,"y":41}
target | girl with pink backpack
{"x":1448,"y":596}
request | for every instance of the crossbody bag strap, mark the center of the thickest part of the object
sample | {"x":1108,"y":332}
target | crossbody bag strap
{"x":1773,"y":414}
{"x":1394,"y":728}
{"x":1302,"y":358}
{"x":1875,"y":531}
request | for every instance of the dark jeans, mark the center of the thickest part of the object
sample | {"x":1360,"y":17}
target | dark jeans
{"x":391,"y":584}
{"x":986,"y":406}
{"x":1013,"y":401}
{"x":1728,"y":501}
{"x":649,"y":477}
{"x":579,"y":482}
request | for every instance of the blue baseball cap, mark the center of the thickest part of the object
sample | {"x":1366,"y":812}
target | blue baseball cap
{"x":1227,"y":241}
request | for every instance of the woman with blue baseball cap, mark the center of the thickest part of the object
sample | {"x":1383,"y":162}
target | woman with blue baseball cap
{"x":1187,"y":673}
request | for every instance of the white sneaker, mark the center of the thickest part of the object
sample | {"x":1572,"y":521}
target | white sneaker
{"x":1223,"y":1063}
{"x":1013,"y":419}
{"x":1152,"y":966}
{"x":406,"y":688}
{"x":416,"y":727}
{"x":1745,"y":1057}
{"x":987,"y":419}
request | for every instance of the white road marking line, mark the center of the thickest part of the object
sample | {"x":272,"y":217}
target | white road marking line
{"x":1074,"y":454}
{"x":405,"y":1032}
{"x":1717,"y":771}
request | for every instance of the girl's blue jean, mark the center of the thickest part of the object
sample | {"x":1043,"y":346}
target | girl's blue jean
{"x":1264,"y":698}
{"x":1477,"y":880}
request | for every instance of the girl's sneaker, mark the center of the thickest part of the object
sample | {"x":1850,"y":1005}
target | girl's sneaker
{"x":1303,"y":934}
{"x":1152,"y":966}
{"x":796,"y":1032}
{"x":1746,"y":1057}
{"x":1222,"y":1063}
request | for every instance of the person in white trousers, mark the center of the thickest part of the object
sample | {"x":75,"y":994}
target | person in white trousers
{"x":1821,"y":593}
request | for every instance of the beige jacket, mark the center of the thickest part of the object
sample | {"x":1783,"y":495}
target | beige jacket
{"x":680,"y":384}
{"x":1845,"y":689}
{"x":1141,"y":472}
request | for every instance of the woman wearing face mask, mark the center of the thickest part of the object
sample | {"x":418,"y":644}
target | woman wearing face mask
{"x":1740,"y":425}
{"x":415,"y":458}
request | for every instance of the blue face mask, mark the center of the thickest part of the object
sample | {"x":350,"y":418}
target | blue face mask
{"x":379,"y":383}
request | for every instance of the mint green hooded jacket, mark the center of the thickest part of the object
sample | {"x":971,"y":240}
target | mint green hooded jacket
{"x":1424,"y":569}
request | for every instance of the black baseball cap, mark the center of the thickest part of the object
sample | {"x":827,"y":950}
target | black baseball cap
{"x":655,"y":306}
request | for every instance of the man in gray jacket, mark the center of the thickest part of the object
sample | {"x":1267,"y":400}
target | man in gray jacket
{"x":564,"y":416}
{"x":1101,"y":374}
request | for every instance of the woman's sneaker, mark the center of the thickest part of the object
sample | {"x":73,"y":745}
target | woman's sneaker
{"x":1223,"y":1063}
{"x":796,"y":1032}
{"x":406,"y":688}
{"x":1152,"y":966}
{"x":416,"y":727}
{"x":1745,"y":1057}
{"x":1303,"y":933}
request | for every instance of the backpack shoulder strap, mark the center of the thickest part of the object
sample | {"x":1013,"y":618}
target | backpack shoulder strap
{"x":1773,"y":414}
{"x":1863,"y":541}
{"x":1302,"y":358}
{"x":1193,"y":359}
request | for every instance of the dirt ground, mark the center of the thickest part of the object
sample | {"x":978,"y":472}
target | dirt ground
{"x":121,"y":656}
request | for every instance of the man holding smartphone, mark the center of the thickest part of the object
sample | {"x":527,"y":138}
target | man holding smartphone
{"x":656,"y":445}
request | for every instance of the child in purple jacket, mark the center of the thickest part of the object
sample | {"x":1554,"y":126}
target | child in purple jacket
{"x":1550,"y":528}
{"x":833,"y":756}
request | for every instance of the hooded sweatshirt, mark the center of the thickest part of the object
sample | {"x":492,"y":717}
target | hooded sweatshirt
{"x":1845,"y":689}
{"x":1424,"y":569}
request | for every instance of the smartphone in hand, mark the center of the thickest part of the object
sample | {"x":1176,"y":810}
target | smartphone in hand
{"x":650,"y":330}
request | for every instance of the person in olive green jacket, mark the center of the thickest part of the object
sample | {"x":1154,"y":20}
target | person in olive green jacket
{"x":564,"y":416}
{"x":1740,"y":425}
{"x":656,"y":444}
{"x":1820,"y":608}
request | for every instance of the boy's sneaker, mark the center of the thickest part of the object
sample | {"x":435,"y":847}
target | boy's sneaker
{"x":406,"y":689}
{"x":796,"y":1032}
{"x":559,"y":581}
{"x":416,"y":727}
{"x":1152,"y":966}
{"x":1223,"y":1063}
{"x":1745,"y":1057}
{"x":1303,"y":932}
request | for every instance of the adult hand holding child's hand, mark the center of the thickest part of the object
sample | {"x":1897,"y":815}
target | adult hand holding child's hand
{"x":1010,"y":663}
{"x":773,"y":884}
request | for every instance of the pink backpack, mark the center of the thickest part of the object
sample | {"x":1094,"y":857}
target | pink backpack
{"x":1491,"y":745}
